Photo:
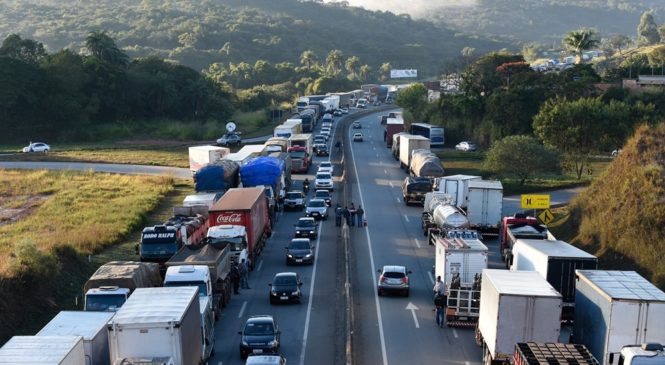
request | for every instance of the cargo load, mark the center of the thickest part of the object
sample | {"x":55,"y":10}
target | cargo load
{"x":125,"y":274}
{"x":200,"y":156}
{"x":262,"y":171}
{"x":424,"y":163}
{"x":532,"y":353}
{"x":217,"y":176}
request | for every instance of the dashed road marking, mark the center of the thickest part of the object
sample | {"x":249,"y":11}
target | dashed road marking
{"x":242,"y":309}
{"x":258,"y":268}
{"x":431,"y":277}
{"x":417,"y":242}
{"x":455,"y":333}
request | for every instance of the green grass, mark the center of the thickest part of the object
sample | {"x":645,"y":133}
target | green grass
{"x":174,"y":158}
{"x":470,"y":163}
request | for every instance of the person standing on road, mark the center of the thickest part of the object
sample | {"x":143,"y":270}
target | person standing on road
{"x":352,"y":212}
{"x":347,"y":216}
{"x":359,"y":214}
{"x":438,"y":304}
{"x":243,"y":275}
{"x":439,"y":286}
{"x":338,"y":215}
{"x":235,"y":278}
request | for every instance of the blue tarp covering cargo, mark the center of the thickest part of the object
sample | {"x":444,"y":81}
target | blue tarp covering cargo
{"x":219,"y":175}
{"x":262,"y":171}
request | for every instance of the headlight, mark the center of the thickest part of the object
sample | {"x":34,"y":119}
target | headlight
{"x":273,"y":343}
{"x":308,"y":255}
{"x":297,"y":232}
{"x":294,"y":293}
{"x":289,"y":255}
{"x":244,"y":343}
{"x":273,"y":293}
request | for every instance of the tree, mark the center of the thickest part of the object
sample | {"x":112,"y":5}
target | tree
{"x":661,"y":32}
{"x":352,"y":65}
{"x":579,"y":128}
{"x":657,"y":58}
{"x":647,"y":31}
{"x":413,"y":98}
{"x":581,"y":40}
{"x":308,"y":58}
{"x":365,"y":71}
{"x":618,"y":43}
{"x":384,"y":71}
{"x":26,"y":50}
{"x":103,"y":47}
{"x":482,"y":77}
{"x":334,"y":61}
{"x":502,"y":158}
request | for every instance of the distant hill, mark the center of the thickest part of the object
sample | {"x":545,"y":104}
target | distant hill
{"x":622,"y":214}
{"x":200,"y":32}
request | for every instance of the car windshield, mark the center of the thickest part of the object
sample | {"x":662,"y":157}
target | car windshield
{"x":297,"y":154}
{"x":325,"y":164}
{"x":316,"y":203}
{"x":323,"y":176}
{"x":293,"y":196}
{"x":322,"y":194}
{"x":259,"y":329}
{"x":306,"y":223}
{"x":393,"y":275}
{"x":284,"y":280}
{"x":299,"y":245}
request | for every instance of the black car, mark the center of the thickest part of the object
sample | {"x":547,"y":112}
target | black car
{"x":325,"y":195}
{"x":260,"y":335}
{"x":306,"y":227}
{"x":322,"y":150}
{"x":285,"y":287}
{"x":300,"y":251}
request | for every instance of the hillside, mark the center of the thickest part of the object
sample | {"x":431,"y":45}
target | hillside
{"x":198,"y":33}
{"x":622,"y":214}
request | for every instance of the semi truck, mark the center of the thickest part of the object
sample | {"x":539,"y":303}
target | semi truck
{"x":484,"y":207}
{"x":538,"y":353}
{"x":614,"y":309}
{"x":157,"y":326}
{"x":248,"y":208}
{"x":308,"y":118}
{"x":286,"y":131}
{"x":440,"y":216}
{"x":208,"y":268}
{"x":43,"y":350}
{"x":408,"y":143}
{"x":112,"y":283}
{"x":556,"y":261}
{"x":200,"y":156}
{"x":460,"y":258}
{"x":393,"y":125}
{"x":424,"y":163}
{"x":276,"y":144}
{"x":91,"y":326}
{"x":300,"y":148}
{"x":457,"y":186}
{"x":395,"y":145}
{"x":520,"y":226}
{"x":515,"y":306}
{"x":201,"y":199}
{"x":296,"y":122}
{"x":218,"y":176}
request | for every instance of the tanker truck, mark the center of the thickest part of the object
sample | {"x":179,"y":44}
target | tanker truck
{"x":439,"y":215}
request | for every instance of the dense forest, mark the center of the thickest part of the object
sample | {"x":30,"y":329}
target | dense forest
{"x":200,"y":33}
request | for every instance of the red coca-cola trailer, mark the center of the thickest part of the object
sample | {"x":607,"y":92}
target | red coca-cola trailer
{"x":247,"y":207}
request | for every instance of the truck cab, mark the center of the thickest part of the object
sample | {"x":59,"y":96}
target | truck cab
{"x":105,"y":299}
{"x":517,"y":227}
{"x":190,"y":275}
{"x":159,"y":243}
{"x":299,"y":159}
{"x":233,"y":236}
{"x":645,"y":354}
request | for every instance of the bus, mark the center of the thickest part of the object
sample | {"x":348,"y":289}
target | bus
{"x":433,"y":132}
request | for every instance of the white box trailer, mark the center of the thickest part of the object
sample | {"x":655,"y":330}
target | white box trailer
{"x":91,"y":326}
{"x":457,"y":186}
{"x":460,"y":252}
{"x":614,"y":309}
{"x":484,"y":206}
{"x":200,"y":156}
{"x":158,"y":323}
{"x":516,"y":306}
{"x":408,"y":143}
{"x":202,"y":199}
{"x":43,"y":350}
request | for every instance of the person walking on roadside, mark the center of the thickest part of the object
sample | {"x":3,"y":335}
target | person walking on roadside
{"x":338,"y":215}
{"x":439,"y":286}
{"x":359,"y":213}
{"x":243,"y":275}
{"x":235,"y":278}
{"x":347,"y":216}
{"x":439,"y":306}
{"x":352,"y":212}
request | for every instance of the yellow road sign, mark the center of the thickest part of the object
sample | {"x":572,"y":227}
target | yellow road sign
{"x":546,"y":216}
{"x":535,"y":201}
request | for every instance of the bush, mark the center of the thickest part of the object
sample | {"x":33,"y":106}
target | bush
{"x":29,"y":263}
{"x":521,"y":156}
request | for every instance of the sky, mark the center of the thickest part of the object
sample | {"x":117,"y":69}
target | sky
{"x":415,"y":8}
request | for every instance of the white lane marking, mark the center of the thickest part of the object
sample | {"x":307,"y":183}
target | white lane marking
{"x":455,"y":333}
{"x":258,"y":268}
{"x":374,"y":148}
{"x":406,"y":217}
{"x":431,"y":277}
{"x":242,"y":309}
{"x":399,"y":201}
{"x":384,"y":356}
{"x":417,"y":242}
{"x":467,"y":363}
{"x":391,"y":184}
{"x":311,"y":297}
{"x":385,"y":171}
{"x":411,"y":307}
{"x":221,"y":363}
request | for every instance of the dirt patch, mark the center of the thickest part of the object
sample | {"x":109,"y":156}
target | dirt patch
{"x":18,"y":207}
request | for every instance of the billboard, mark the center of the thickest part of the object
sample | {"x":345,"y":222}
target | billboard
{"x":397,"y":74}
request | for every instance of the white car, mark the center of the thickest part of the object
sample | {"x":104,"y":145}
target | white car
{"x":357,"y":137}
{"x":37,"y":147}
{"x":345,"y":110}
{"x":325,"y":133}
{"x":317,"y":209}
{"x":326,"y":166}
{"x":323,"y":181}
{"x":465,"y":146}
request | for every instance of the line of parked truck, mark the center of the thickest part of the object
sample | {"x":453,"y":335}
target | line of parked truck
{"x":612,"y":317}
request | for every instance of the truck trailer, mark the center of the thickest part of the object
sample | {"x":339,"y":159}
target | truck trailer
{"x":537,"y":353}
{"x":484,"y":207}
{"x":556,"y":261}
{"x":614,"y":309}
{"x":393,"y":125}
{"x":200,"y":156}
{"x":407,"y":144}
{"x":43,"y":350}
{"x":157,"y":324}
{"x":246,"y":207}
{"x":457,"y":186}
{"x":91,"y":326}
{"x":515,"y":306}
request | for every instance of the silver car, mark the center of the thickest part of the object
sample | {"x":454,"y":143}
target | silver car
{"x":317,"y":209}
{"x":393,"y":279}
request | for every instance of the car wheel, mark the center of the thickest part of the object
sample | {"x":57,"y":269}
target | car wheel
{"x":378,"y":292}
{"x":406,"y":293}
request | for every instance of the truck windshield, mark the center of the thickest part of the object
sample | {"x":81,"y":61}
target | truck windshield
{"x":104,"y":303}
{"x":158,"y":248}
{"x":297,"y":154}
{"x":203,"y":290}
{"x":234,"y":243}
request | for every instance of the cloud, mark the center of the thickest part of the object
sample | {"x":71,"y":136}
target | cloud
{"x":415,"y":8}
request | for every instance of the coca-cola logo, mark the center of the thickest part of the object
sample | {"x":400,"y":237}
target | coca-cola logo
{"x":230,"y":218}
